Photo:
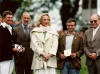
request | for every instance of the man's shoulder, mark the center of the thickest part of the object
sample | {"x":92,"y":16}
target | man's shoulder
{"x":89,"y":30}
{"x":18,"y":27}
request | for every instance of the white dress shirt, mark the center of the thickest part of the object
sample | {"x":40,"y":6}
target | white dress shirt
{"x":8,"y":27}
{"x":94,"y":31}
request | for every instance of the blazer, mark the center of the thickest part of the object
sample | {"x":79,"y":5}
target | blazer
{"x":22,"y":39}
{"x":41,"y":44}
{"x":92,"y":45}
{"x":6,"y":44}
{"x":77,"y":47}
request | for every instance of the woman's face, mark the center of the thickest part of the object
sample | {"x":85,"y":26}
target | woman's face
{"x":45,"y":21}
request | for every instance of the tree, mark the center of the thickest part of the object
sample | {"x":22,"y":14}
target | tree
{"x":68,"y":10}
{"x":9,"y":5}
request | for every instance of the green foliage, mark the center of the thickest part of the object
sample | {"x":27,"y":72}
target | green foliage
{"x":53,"y":1}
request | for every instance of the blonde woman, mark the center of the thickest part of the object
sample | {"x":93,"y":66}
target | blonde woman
{"x":44,"y":43}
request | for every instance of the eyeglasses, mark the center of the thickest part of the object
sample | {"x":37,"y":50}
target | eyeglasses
{"x":95,"y":21}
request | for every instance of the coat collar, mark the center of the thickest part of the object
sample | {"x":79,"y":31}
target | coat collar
{"x":49,"y":31}
{"x":5,"y":25}
{"x":45,"y":29}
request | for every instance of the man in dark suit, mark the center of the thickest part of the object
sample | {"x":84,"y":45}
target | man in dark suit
{"x":7,"y":41}
{"x":70,"y":49}
{"x":92,"y":45}
{"x":23,"y":60}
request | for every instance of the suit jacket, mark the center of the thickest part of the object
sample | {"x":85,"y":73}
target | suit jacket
{"x":92,"y":46}
{"x":77,"y":47}
{"x":6,"y":44}
{"x":22,"y":39}
{"x":41,"y":44}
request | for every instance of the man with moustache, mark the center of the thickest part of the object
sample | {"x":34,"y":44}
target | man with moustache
{"x":23,"y":60}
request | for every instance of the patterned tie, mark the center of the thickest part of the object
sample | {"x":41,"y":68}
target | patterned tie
{"x":26,"y":30}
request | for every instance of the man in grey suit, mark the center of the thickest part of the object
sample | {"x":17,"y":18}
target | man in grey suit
{"x":23,"y":60}
{"x":92,"y":45}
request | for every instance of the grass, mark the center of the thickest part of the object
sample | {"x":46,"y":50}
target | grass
{"x":82,"y":71}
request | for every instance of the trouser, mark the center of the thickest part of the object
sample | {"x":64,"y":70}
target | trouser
{"x":68,"y":70}
{"x":6,"y":67}
{"x":94,"y":68}
{"x":23,"y":62}
{"x":23,"y":69}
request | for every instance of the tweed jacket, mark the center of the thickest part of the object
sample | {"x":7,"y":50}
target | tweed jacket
{"x":92,"y":45}
{"x":23,"y":40}
{"x":41,"y":44}
{"x":77,"y":47}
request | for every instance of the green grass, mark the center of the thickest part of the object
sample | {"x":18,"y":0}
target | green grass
{"x":82,"y":71}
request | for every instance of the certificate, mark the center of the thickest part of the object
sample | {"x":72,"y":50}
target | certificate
{"x":67,"y":52}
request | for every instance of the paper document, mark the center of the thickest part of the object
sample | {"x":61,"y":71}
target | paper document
{"x":67,"y":52}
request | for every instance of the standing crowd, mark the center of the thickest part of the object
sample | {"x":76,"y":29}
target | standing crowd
{"x":40,"y":49}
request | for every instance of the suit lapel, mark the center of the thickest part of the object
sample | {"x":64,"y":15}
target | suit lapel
{"x":97,"y":34}
{"x":22,"y":33}
{"x":90,"y":34}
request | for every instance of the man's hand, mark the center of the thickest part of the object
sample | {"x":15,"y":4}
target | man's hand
{"x":92,"y":56}
{"x":22,"y":50}
{"x":16,"y":50}
{"x":73,"y":55}
{"x":62,"y":56}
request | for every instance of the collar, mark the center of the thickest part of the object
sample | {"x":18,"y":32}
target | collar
{"x":66,"y":32}
{"x":45,"y":29}
{"x":5,"y":25}
{"x":24,"y":26}
{"x":97,"y":27}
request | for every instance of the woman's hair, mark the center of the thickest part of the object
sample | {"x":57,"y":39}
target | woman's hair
{"x":40,"y":22}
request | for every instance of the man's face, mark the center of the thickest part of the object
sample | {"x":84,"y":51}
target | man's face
{"x":70,"y":26}
{"x":26,"y":19}
{"x":8,"y":19}
{"x":45,"y":20}
{"x":94,"y":21}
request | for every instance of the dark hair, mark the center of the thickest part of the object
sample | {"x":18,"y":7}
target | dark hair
{"x":71,"y":20}
{"x":8,"y":12}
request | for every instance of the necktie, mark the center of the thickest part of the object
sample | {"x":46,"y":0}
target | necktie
{"x":26,"y":30}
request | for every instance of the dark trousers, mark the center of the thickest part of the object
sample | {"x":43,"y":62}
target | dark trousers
{"x":23,"y":63}
{"x":23,"y":69}
{"x":94,"y":68}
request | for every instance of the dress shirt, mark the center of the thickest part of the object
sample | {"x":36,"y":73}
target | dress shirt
{"x":94,"y":31}
{"x":8,"y":27}
{"x":24,"y":27}
{"x":69,"y":40}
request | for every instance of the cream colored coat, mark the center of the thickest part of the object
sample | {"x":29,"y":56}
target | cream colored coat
{"x":41,"y":44}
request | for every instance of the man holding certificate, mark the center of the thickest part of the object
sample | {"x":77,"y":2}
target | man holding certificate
{"x":70,"y":49}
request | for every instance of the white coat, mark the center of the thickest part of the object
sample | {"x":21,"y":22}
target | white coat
{"x":41,"y":43}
